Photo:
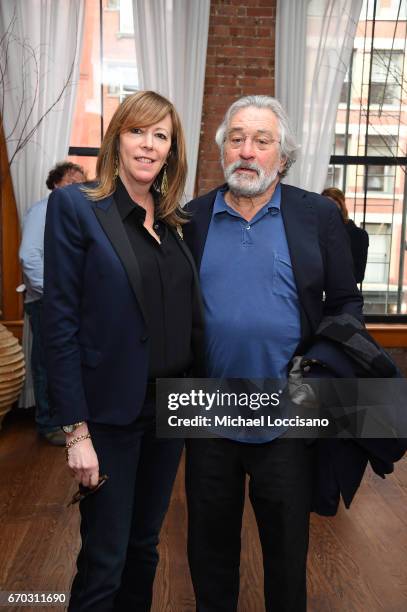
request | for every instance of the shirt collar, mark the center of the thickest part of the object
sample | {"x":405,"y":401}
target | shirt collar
{"x":126,"y":206}
{"x":220,"y":205}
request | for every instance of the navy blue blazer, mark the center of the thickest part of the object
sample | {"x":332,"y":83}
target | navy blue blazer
{"x":323,"y":272}
{"x":319,"y":251}
{"x":95,"y":333}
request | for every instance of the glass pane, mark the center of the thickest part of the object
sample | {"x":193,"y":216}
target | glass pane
{"x":378,"y":144}
{"x":86,"y":128}
{"x":376,"y":115}
{"x":120,"y":77}
{"x":384,"y":93}
{"x":374,"y":124}
{"x":126,"y":17}
{"x":383,"y":215}
{"x":104,"y":82}
{"x":385,"y":9}
{"x":387,"y":65}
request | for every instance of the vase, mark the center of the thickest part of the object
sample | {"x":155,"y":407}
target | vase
{"x":12,"y":370}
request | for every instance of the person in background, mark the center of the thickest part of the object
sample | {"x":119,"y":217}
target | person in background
{"x":32,"y":261}
{"x":359,"y":238}
{"x":121,"y":308}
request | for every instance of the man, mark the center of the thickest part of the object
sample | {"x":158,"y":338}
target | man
{"x":267,"y":254}
{"x":32,"y":261}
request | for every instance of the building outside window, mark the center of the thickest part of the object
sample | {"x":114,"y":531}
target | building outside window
{"x":377,"y":270}
{"x":387,"y":71}
{"x":108,"y":74}
{"x":370,"y":165}
{"x":121,"y":79}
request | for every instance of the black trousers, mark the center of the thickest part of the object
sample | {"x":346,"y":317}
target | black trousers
{"x":121,"y":522}
{"x":280,"y":490}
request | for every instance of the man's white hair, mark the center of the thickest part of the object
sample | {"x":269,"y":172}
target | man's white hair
{"x":288,"y":146}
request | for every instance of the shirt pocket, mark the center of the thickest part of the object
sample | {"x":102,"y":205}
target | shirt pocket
{"x":283,"y":277}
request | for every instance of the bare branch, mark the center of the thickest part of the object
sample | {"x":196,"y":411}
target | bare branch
{"x":24,"y":141}
{"x":22,"y":131}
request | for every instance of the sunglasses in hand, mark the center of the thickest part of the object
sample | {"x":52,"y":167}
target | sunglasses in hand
{"x":86,"y":491}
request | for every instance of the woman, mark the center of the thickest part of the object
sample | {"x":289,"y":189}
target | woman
{"x":121,"y":309}
{"x":358,"y":237}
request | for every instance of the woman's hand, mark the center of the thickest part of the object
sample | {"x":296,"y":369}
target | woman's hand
{"x":82,"y":458}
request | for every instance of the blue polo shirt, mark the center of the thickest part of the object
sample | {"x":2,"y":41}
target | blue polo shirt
{"x":250,"y":297}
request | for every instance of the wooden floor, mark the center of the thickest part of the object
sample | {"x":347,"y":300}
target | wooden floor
{"x":357,"y":560}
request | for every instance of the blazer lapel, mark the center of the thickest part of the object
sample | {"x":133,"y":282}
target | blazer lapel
{"x":298,"y":214}
{"x":184,"y":248}
{"x":109,"y":218}
{"x":196,"y":232}
{"x":198,"y":341}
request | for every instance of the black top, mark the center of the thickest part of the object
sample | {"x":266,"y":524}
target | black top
{"x":359,"y":244}
{"x":167,"y":283}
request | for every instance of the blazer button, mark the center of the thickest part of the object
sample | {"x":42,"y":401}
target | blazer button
{"x":144,"y":338}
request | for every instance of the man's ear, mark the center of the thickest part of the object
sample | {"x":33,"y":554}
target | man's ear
{"x":283,"y":162}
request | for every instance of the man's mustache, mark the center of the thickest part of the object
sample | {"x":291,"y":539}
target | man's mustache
{"x":244,"y":165}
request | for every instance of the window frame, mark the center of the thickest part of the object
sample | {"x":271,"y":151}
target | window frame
{"x":365,"y":161}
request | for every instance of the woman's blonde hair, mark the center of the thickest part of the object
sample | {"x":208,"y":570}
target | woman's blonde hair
{"x":141,"y":110}
{"x":339,"y":197}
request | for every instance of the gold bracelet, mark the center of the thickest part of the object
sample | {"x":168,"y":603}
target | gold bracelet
{"x":71,"y":443}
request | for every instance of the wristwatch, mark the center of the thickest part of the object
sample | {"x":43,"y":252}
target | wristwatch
{"x":71,"y":428}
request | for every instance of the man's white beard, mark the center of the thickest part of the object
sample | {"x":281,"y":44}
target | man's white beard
{"x":247,"y":185}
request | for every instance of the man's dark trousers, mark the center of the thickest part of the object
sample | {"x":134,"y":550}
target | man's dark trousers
{"x":280,"y":489}
{"x":45,"y":423}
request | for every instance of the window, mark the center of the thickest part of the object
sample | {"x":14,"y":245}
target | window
{"x":385,"y":10}
{"x":121,"y":80}
{"x":382,"y":144}
{"x":387,"y":73}
{"x":381,"y":177}
{"x":369,"y":158}
{"x":108,"y":73}
{"x":126,"y":17}
{"x":339,"y":144}
{"x":377,"y":269}
{"x":334,"y":178}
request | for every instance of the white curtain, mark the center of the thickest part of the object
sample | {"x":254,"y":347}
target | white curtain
{"x":171,"y":40}
{"x":43,"y":41}
{"x":314,"y":42}
{"x":42,"y":73}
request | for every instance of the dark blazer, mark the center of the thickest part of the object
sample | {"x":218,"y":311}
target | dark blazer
{"x":322,"y":264}
{"x":95,"y":334}
{"x":359,"y":245}
{"x":319,"y":252}
{"x":347,"y":350}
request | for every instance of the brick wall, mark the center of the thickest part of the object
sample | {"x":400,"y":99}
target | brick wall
{"x":240,"y":61}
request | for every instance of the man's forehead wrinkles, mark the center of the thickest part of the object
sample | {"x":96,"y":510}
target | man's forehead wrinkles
{"x":257,"y":131}
{"x":257,"y":123}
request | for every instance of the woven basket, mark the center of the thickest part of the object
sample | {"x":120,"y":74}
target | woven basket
{"x":12,"y":370}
